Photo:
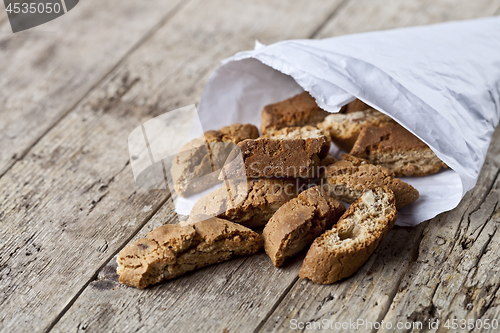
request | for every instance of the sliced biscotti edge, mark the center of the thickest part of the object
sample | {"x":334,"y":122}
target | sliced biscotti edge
{"x":299,"y":110}
{"x":351,"y":176}
{"x":172,"y":250}
{"x":289,"y":152}
{"x":193,"y":165}
{"x":344,"y":129}
{"x":341,"y":251}
{"x":250,"y":202}
{"x":298,"y":222}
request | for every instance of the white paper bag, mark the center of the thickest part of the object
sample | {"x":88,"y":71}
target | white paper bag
{"x":441,"y":82}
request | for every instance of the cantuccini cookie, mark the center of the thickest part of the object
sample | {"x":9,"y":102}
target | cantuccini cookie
{"x":298,"y":222}
{"x":194,"y":167}
{"x":172,"y":250}
{"x":251,"y":202}
{"x":341,"y":251}
{"x":395,"y":148}
{"x":344,"y":129}
{"x":356,"y":105}
{"x":351,"y":176}
{"x":300,"y":110}
{"x":289,"y":152}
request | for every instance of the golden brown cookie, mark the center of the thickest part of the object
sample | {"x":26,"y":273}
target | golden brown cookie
{"x":341,"y":251}
{"x":300,"y":110}
{"x":194,"y":167}
{"x":289,"y":152}
{"x":298,"y":222}
{"x":393,"y":147}
{"x":172,"y":250}
{"x":250,"y":203}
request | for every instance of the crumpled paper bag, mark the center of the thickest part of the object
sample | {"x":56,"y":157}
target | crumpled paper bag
{"x":441,"y":82}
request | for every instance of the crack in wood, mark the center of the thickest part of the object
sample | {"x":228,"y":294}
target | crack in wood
{"x":275,"y":305}
{"x":103,"y":186}
{"x":330,"y":17}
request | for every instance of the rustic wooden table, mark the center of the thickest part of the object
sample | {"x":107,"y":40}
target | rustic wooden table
{"x":73,"y":89}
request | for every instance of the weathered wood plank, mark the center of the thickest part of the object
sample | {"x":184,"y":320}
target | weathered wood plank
{"x":367,"y":296}
{"x":455,"y":275}
{"x":3,"y":17}
{"x":180,"y":313}
{"x":48,"y":204}
{"x":72,"y":203}
{"x":46,"y":70}
{"x":367,"y":15}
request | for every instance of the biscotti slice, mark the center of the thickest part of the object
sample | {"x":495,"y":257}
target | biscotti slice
{"x":223,"y":141}
{"x":172,"y":250}
{"x":298,"y":222}
{"x":356,"y":105}
{"x":289,"y":152}
{"x":393,"y":147}
{"x":300,"y":110}
{"x":351,"y":176}
{"x":194,"y":167}
{"x":251,"y":202}
{"x":344,"y":129}
{"x":341,"y":251}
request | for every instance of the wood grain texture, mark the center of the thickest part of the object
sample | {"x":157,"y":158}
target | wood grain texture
{"x":46,"y":70}
{"x":370,"y":292}
{"x":455,"y":275}
{"x":72,"y":202}
{"x":367,"y":15}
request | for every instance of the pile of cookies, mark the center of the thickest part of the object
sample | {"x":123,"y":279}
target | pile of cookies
{"x":285,"y":182}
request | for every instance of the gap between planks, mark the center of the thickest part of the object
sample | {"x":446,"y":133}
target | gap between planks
{"x":141,"y":41}
{"x":94,"y":277}
{"x":146,"y":37}
{"x":329,"y":18}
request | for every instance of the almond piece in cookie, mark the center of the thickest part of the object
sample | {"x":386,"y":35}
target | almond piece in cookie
{"x":351,"y":176}
{"x":341,"y":251}
{"x":344,"y":129}
{"x":393,"y":147}
{"x":300,"y":110}
{"x":172,"y":250}
{"x":194,"y":167}
{"x":250,"y":203}
{"x":298,"y":222}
